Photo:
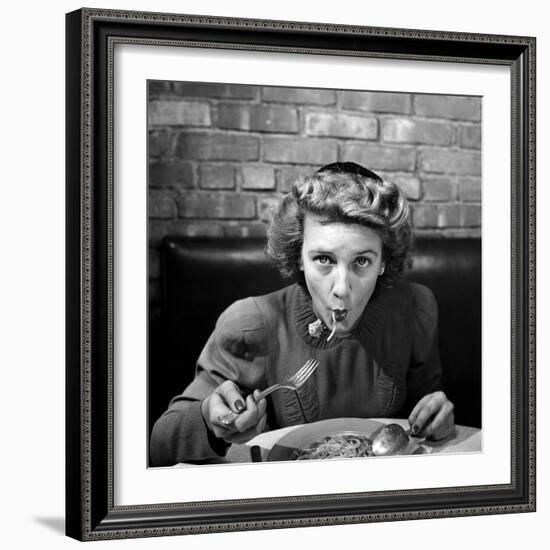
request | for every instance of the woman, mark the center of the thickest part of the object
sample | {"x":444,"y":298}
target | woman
{"x":343,"y":235}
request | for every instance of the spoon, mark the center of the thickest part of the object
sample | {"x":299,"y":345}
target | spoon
{"x":392,"y":439}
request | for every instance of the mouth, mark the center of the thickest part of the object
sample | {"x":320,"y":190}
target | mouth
{"x":338,"y":315}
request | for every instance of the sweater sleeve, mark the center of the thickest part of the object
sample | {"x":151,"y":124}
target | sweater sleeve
{"x":424,"y":373}
{"x":236,"y":351}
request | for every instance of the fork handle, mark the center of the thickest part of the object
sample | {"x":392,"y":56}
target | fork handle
{"x":230,"y":417}
{"x":267,"y":391}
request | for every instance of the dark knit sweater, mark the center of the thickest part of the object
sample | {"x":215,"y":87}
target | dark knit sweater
{"x":388,"y":362}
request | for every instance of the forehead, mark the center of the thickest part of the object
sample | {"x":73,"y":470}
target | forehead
{"x":325,"y":235}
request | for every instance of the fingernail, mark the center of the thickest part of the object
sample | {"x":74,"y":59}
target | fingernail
{"x":239,"y":405}
{"x":414,"y":429}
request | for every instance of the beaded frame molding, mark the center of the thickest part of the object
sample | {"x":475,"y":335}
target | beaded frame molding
{"x":90,"y":510}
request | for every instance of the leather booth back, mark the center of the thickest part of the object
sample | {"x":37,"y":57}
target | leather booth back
{"x":202,"y":276}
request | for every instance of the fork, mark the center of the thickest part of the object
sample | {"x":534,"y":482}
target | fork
{"x":294,"y":382}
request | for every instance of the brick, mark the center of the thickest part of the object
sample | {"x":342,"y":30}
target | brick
{"x":160,"y":144}
{"x":469,"y":137}
{"x":450,"y":233}
{"x":288,"y":175}
{"x":438,"y":188}
{"x":406,"y":130}
{"x":303,"y":96}
{"x":469,"y":189}
{"x":380,"y":102}
{"x":436,"y":215}
{"x":217,"y":205}
{"x":425,"y":215}
{"x":201,"y":230}
{"x":341,"y":125}
{"x":158,"y":229}
{"x":161,"y":205}
{"x":258,"y":118}
{"x":470,"y":215}
{"x":267,"y":206}
{"x":171,"y":173}
{"x":450,"y":215}
{"x":154,"y":271}
{"x":252,"y":229}
{"x":451,"y":162}
{"x":376,"y":157}
{"x":216,"y":176}
{"x":207,"y":146}
{"x":410,"y":185}
{"x":215,"y":90}
{"x":258,"y":177}
{"x":300,"y":151}
{"x":179,"y":113}
{"x":443,"y":216}
{"x":158,"y":88}
{"x":452,"y":107}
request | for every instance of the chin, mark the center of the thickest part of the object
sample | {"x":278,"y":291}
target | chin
{"x":344,"y":329}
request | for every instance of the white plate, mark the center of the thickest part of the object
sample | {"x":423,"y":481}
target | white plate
{"x":289,"y":443}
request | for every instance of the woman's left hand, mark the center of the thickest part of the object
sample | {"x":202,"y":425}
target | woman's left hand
{"x":433,"y":417}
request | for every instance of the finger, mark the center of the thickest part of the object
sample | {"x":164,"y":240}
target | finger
{"x":221,"y":429}
{"x":441,"y":431}
{"x":262,"y":403}
{"x":219,"y":422}
{"x":218,"y":405}
{"x":417,"y":408}
{"x":227,"y":419}
{"x":249,"y":417}
{"x":442,"y":424}
{"x":439,"y":424}
{"x":428,"y":409}
{"x":447,"y":431}
{"x":229,"y":391}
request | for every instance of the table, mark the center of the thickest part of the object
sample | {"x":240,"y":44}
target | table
{"x":465,"y":440}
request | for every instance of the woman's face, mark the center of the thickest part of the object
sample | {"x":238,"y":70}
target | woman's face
{"x":340,"y":264}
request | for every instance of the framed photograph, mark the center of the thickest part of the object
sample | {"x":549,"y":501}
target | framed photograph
{"x":183,"y":135}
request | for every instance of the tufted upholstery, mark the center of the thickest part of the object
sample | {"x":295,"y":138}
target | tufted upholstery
{"x":202,"y":276}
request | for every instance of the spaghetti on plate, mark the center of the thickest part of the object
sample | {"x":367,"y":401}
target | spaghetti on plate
{"x":343,"y":445}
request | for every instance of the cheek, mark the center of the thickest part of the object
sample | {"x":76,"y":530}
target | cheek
{"x":318,"y":286}
{"x":313,"y":279}
{"x":366,"y":288}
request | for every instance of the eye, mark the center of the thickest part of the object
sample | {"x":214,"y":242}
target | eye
{"x":363,"y":261}
{"x":322,"y":259}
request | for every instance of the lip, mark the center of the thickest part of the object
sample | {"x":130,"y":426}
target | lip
{"x":339,"y":314}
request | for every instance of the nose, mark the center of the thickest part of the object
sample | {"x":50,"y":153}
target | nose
{"x":341,"y":286}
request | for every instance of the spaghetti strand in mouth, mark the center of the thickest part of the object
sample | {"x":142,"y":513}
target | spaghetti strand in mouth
{"x":338,"y":315}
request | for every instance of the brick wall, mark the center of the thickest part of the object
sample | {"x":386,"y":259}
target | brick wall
{"x":221,"y":154}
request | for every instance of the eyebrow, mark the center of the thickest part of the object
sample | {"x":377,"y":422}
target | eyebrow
{"x":368,"y":251}
{"x":324,"y":251}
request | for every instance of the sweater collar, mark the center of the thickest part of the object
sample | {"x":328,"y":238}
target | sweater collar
{"x":365,"y":328}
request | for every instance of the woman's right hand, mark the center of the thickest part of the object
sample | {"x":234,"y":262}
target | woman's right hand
{"x":251,"y":419}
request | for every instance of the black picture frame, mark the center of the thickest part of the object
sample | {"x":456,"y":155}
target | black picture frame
{"x":90,"y":510}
